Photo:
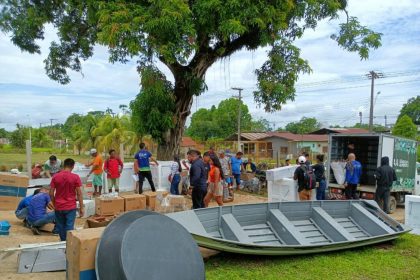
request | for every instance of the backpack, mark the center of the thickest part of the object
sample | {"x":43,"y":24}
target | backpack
{"x":309,"y":178}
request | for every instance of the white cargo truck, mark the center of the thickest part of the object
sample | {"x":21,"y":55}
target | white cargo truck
{"x":369,"y":149}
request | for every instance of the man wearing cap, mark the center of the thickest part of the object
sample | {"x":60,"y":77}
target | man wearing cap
{"x":65,"y":187}
{"x":37,"y":211}
{"x":304,"y":194}
{"x":97,"y":170}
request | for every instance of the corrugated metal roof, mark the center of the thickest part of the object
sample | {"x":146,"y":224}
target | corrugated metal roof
{"x":188,"y":142}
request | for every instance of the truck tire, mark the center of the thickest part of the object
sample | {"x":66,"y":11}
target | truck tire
{"x":392,"y":204}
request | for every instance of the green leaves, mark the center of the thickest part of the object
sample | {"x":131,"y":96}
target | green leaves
{"x":405,"y":128}
{"x":357,"y":38}
{"x":277,"y":76}
{"x":153,"y":109}
{"x":305,"y":125}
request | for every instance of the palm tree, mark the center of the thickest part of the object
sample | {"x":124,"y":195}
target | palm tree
{"x":112,"y":132}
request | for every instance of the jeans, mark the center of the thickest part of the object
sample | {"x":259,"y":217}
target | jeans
{"x":320,"y":191}
{"x":175,"y":183}
{"x":65,"y":222}
{"x":47,"y":219}
{"x":237,"y":179}
{"x":383,"y":194}
{"x":351,"y":191}
{"x":148,"y":176}
{"x":197,"y":197}
{"x":22,"y":213}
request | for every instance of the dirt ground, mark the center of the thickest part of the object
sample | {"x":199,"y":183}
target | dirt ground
{"x":21,"y":235}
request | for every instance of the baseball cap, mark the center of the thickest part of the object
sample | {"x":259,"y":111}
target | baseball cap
{"x":221,"y":152}
{"x":93,"y":151}
{"x":302,"y":159}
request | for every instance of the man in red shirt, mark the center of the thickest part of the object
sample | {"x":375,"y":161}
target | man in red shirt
{"x":64,"y":188}
{"x":113,"y":168}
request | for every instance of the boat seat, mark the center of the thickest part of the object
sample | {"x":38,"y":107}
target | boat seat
{"x":232,"y":229}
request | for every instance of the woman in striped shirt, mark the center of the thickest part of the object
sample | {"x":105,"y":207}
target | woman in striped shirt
{"x":175,"y":176}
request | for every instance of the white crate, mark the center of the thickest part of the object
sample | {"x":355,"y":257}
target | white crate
{"x":412,"y":212}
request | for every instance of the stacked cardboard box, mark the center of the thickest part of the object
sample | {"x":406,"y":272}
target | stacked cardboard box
{"x":134,"y":202}
{"x":109,"y":206}
{"x":151,"y":200}
{"x":12,"y":189}
{"x":80,"y":253}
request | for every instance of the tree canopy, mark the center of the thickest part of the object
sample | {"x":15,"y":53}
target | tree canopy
{"x":305,"y":125}
{"x":405,"y":128}
{"x":222,"y":121}
{"x":186,"y":36}
{"x":412,"y":109}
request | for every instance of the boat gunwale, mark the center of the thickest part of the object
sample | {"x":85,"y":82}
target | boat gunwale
{"x":329,"y":246}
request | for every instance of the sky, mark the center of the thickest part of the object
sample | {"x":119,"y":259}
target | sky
{"x":335,"y":92}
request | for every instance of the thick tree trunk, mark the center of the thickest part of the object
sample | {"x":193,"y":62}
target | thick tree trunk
{"x":173,"y":137}
{"x":184,"y":94}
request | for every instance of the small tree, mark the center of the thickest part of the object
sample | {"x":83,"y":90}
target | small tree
{"x":405,"y":128}
{"x":412,"y":109}
{"x":305,"y":125}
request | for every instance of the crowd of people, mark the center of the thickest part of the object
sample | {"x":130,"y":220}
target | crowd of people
{"x":206,"y":177}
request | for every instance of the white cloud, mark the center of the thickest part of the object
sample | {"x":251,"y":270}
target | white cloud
{"x":25,"y":89}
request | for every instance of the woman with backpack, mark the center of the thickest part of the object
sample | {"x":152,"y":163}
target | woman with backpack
{"x":215,"y":188}
{"x":319,"y":170}
{"x":175,"y":176}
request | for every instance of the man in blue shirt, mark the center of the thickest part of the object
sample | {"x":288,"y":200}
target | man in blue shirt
{"x":143,"y":158}
{"x":198,"y":179}
{"x":237,"y":167}
{"x":37,"y":210}
{"x":353,"y":173}
{"x":22,"y":209}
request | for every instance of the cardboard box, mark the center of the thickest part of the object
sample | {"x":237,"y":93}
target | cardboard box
{"x":14,"y":180}
{"x":109,"y":206}
{"x":99,"y":221}
{"x":12,"y":189}
{"x":247,"y":176}
{"x":134,"y":202}
{"x":9,"y":202}
{"x":151,"y":200}
{"x":80,"y":253}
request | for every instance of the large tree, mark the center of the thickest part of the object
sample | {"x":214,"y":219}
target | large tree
{"x":186,"y":36}
{"x":305,"y":125}
{"x":405,"y":127}
{"x":412,"y":109}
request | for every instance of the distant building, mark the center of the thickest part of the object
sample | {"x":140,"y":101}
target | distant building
{"x":4,"y":141}
{"x":341,"y":130}
{"x":269,"y":144}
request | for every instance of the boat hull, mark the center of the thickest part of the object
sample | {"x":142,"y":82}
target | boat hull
{"x":290,"y":228}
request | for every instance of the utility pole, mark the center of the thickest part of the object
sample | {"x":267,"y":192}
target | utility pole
{"x":239,"y":115}
{"x":372,"y":75}
{"x":386,"y":125}
{"x":51,"y":121}
{"x":361,"y":116}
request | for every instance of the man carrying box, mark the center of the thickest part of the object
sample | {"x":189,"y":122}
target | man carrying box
{"x":64,"y":188}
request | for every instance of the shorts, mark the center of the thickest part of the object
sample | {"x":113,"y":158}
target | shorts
{"x":215,"y":190}
{"x":113,"y":182}
{"x":237,"y":179}
{"x":97,"y":180}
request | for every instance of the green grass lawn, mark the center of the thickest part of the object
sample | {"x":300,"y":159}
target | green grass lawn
{"x":14,"y":160}
{"x":399,"y":259}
